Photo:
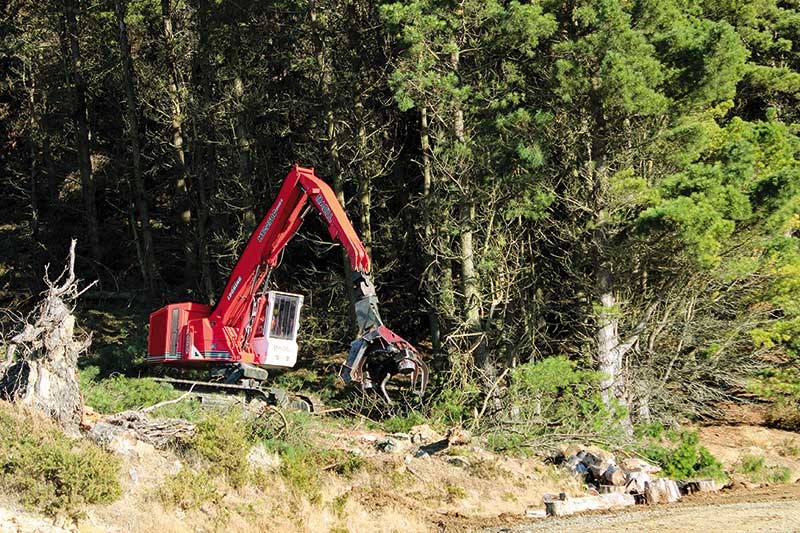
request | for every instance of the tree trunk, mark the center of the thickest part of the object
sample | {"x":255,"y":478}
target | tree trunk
{"x":333,"y":150}
{"x":148,"y":262}
{"x":610,"y":349}
{"x":469,"y":280}
{"x":29,"y":80}
{"x":205,"y":153}
{"x":82,"y":135}
{"x":365,"y":184}
{"x":181,"y":189}
{"x":243,"y":146}
{"x":432,"y":272}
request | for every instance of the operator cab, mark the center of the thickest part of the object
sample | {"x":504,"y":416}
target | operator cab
{"x":275,"y":342}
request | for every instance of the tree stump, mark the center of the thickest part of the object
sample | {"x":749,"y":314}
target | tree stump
{"x":40,"y":370}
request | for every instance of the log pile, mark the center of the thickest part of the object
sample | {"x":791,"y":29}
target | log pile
{"x":620,"y":484}
{"x":601,"y":469}
{"x":160,"y":433}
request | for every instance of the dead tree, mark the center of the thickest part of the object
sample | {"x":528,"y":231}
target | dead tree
{"x":41,"y":365}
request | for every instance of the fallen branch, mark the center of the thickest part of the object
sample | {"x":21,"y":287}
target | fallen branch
{"x":167,"y":402}
{"x":161,"y":433}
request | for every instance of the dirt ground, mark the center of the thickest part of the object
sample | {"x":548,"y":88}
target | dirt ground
{"x":730,"y":444}
{"x":775,"y":508}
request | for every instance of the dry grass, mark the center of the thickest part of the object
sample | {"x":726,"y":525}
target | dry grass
{"x":368,"y":491}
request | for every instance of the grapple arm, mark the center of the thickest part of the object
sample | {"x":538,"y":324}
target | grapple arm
{"x":379,"y":353}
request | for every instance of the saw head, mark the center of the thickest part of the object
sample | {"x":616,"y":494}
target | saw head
{"x":379,"y":355}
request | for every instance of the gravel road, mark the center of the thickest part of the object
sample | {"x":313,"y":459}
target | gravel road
{"x":767,"y":509}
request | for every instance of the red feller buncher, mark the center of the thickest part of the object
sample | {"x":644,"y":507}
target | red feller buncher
{"x":252,"y":329}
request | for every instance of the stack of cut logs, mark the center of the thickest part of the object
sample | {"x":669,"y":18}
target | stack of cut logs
{"x":630,"y":476}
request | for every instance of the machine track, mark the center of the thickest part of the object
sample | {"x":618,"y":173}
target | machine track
{"x":268,"y":395}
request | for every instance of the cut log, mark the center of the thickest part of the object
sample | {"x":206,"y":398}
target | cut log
{"x":614,"y":476}
{"x":661,"y":491}
{"x":698,"y":485}
{"x":594,"y":456}
{"x":634,"y":464}
{"x":636,"y":482}
{"x":563,"y":506}
{"x":607,"y":474}
{"x":597,"y":471}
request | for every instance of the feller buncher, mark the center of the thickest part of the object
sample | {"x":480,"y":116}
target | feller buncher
{"x":252,"y":329}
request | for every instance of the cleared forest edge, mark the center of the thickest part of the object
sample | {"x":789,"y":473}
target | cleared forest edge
{"x":463,"y":488}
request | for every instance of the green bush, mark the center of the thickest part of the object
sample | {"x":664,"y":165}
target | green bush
{"x":224,"y":441}
{"x":403,"y":423}
{"x":300,"y":467}
{"x":454,"y":406}
{"x":683,"y":457}
{"x":188,"y":489}
{"x":755,"y":469}
{"x":555,"y":396}
{"x":784,"y":413}
{"x":345,"y":464}
{"x":502,"y":441}
{"x":51,"y":471}
{"x":302,"y":460}
{"x":119,"y":393}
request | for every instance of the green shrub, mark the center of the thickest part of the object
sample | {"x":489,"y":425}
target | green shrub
{"x":503,"y":441}
{"x":300,"y":467}
{"x":345,"y":464}
{"x":295,"y":380}
{"x":119,"y":393}
{"x":755,"y":469}
{"x":403,"y":423}
{"x":51,"y":471}
{"x":454,"y":406}
{"x":555,"y":396}
{"x":224,"y":441}
{"x":188,"y":489}
{"x":781,"y":386}
{"x":784,"y":413}
{"x":302,"y":461}
{"x":455,"y":493}
{"x":683,"y":457}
